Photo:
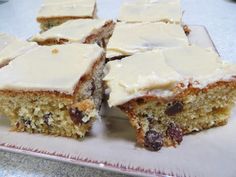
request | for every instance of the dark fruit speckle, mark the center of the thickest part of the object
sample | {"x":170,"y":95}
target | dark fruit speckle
{"x":17,"y":125}
{"x":76,"y":115}
{"x":175,"y":132}
{"x":26,"y":122}
{"x":153,"y":140}
{"x":174,"y":108}
{"x":93,"y":87}
{"x":46,"y":117}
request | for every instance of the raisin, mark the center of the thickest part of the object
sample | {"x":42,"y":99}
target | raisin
{"x":153,"y":140}
{"x":174,"y":108}
{"x":175,"y":132}
{"x":76,"y":115}
{"x":93,"y":87}
{"x":46,"y":117}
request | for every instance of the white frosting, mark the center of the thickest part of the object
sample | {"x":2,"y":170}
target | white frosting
{"x":157,"y":72}
{"x":72,"y":30}
{"x":69,"y":8}
{"x":50,"y":68}
{"x":128,"y":38}
{"x":11,"y":47}
{"x":151,"y":10}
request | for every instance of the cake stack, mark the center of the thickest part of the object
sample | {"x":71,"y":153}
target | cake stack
{"x":166,"y":86}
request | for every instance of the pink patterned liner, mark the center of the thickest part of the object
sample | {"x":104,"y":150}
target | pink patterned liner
{"x":85,"y":161}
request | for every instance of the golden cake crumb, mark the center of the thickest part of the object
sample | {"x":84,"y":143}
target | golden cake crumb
{"x":55,"y":51}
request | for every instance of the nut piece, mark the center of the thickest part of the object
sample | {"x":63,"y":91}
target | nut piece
{"x":174,"y":108}
{"x":153,"y":140}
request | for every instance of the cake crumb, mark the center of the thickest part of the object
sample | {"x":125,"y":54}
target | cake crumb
{"x":55,"y":51}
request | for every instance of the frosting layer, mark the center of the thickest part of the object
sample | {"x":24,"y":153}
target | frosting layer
{"x":11,"y":47}
{"x":72,"y":30}
{"x":50,"y":68}
{"x":67,"y":8}
{"x":158,"y":72}
{"x":151,"y":11}
{"x":128,"y":39}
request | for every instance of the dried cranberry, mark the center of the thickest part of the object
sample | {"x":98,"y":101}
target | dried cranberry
{"x":76,"y":115}
{"x":175,"y":132}
{"x":153,"y":140}
{"x":174,"y":108}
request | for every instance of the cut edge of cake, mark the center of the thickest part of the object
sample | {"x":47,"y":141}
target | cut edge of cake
{"x":49,"y":22}
{"x":159,"y":121}
{"x":174,"y":95}
{"x":53,"y":112}
{"x":100,"y":36}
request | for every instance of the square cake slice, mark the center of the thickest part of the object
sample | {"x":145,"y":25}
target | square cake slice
{"x":172,"y":92}
{"x":11,"y":47}
{"x":167,"y":11}
{"x":53,"y":89}
{"x":80,"y":31}
{"x":130,"y":38}
{"x":56,"y":12}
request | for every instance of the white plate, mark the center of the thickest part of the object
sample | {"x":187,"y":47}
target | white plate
{"x":111,"y":144}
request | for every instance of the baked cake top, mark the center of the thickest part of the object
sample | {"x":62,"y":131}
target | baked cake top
{"x":151,"y":10}
{"x":72,"y":30}
{"x":129,"y":38}
{"x":159,"y":72}
{"x":67,"y":8}
{"x":11,"y":47}
{"x":50,"y":68}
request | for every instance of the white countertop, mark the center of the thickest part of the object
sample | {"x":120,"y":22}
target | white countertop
{"x":17,"y":17}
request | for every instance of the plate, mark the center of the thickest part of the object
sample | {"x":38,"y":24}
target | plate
{"x":111,"y":143}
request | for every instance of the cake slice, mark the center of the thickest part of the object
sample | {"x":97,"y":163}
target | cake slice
{"x":11,"y":47}
{"x":129,"y":38}
{"x":167,"y":11}
{"x":172,"y":92}
{"x":53,"y":89}
{"x":80,"y":31}
{"x":56,"y":12}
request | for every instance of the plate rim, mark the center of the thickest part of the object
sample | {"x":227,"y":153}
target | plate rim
{"x":86,"y":162}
